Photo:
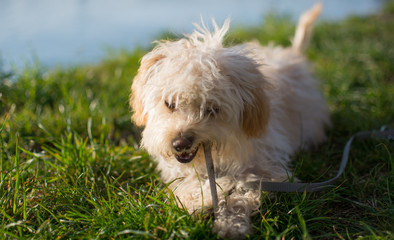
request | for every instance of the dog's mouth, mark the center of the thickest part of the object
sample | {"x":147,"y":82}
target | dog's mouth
{"x":186,"y":156}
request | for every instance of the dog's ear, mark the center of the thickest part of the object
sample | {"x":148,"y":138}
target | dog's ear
{"x":245,"y":75}
{"x":136,"y":99}
{"x":256,"y":114}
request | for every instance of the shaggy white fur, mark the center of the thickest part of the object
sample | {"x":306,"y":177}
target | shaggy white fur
{"x":256,"y":105}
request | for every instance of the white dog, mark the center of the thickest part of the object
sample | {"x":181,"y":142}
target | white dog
{"x":256,"y":105}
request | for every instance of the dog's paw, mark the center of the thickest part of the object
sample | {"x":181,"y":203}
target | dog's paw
{"x":232,"y":218}
{"x":232,"y":225}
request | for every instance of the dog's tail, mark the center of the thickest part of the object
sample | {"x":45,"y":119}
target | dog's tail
{"x":304,"y":27}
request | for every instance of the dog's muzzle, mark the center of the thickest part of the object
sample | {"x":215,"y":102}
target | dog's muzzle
{"x":183,"y":148}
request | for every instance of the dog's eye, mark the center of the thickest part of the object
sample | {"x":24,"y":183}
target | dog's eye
{"x":170,"y":106}
{"x":212,"y":111}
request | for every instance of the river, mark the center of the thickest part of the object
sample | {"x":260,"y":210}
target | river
{"x":71,"y":32}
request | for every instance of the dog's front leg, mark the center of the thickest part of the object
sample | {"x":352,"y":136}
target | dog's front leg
{"x":233,"y":216}
{"x":194,"y":193}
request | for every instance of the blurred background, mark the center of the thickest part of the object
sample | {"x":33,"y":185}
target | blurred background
{"x":72,"y":32}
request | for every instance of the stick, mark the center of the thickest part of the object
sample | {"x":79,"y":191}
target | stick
{"x":211,"y":173}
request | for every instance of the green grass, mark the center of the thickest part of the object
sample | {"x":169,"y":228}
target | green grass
{"x":70,"y":167}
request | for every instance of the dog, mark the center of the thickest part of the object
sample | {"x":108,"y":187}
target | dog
{"x":256,"y":105}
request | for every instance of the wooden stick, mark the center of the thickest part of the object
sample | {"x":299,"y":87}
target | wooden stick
{"x":211,"y":173}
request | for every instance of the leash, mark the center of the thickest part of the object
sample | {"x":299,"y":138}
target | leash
{"x":383,"y":133}
{"x":211,"y":173}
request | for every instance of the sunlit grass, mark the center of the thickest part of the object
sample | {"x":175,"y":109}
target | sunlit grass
{"x":70,"y":166}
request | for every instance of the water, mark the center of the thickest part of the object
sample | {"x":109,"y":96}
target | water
{"x":58,"y":32}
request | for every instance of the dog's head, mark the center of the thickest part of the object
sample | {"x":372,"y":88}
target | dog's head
{"x":194,"y":90}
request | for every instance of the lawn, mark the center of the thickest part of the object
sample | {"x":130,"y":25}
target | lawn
{"x":70,"y":166}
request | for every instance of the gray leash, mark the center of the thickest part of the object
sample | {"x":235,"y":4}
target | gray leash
{"x":211,"y":173}
{"x":384,"y":133}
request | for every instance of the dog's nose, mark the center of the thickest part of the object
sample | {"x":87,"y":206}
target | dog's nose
{"x":182,"y":143}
